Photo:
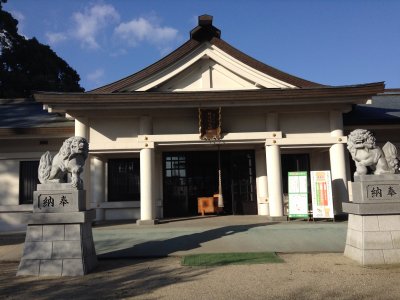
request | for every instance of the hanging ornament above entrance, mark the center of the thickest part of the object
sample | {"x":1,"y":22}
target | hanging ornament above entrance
{"x":210,"y":130}
{"x":210,"y":124}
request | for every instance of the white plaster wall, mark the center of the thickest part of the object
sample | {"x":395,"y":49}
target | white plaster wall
{"x":9,"y":182}
{"x":186,"y":121}
{"x":189,"y":79}
{"x":28,"y":148}
{"x":224,"y":79}
{"x":304,"y":124}
{"x":113,"y":133}
{"x":243,"y":120}
{"x":179,"y":124}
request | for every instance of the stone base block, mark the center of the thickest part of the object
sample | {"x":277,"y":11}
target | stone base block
{"x":384,"y":208}
{"x":277,"y":219}
{"x":373,"y":240}
{"x":147,"y":222}
{"x":365,"y":257}
{"x":62,"y":217}
{"x":58,"y":250}
{"x":59,"y":201}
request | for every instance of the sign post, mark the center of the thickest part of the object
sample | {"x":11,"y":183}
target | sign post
{"x":321,"y":190}
{"x":298,"y":195}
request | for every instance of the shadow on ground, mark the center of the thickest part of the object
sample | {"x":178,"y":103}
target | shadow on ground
{"x":112,"y":223}
{"x":112,"y":279}
{"x":166,"y":247}
{"x":11,"y":239}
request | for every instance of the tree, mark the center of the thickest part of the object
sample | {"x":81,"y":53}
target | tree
{"x":26,"y":65}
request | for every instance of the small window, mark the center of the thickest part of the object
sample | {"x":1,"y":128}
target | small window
{"x":124,"y":179}
{"x":175,"y":166}
{"x":28,"y":180}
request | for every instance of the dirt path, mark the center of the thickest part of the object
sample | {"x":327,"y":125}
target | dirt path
{"x":302,"y":276}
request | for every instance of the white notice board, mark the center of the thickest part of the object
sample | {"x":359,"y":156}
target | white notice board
{"x":321,"y":191}
{"x":298,"y":194}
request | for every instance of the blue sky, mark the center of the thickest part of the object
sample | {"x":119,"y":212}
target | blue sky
{"x":334,"y":42}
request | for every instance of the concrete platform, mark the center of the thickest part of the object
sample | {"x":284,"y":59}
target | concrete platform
{"x":219,"y":234}
{"x":204,"y":235}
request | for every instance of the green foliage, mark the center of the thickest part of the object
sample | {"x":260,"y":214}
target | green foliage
{"x":27,"y":65}
{"x":221,"y":259}
{"x":1,"y":2}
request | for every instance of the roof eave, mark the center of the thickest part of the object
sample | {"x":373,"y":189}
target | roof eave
{"x":265,"y":97}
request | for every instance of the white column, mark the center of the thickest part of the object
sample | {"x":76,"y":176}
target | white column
{"x":147,"y":202}
{"x":274,"y":174}
{"x":338,"y":163}
{"x":336,"y":123}
{"x":97,"y":174}
{"x":339,"y":176}
{"x":262,"y":183}
{"x":81,"y":128}
{"x":147,"y":182}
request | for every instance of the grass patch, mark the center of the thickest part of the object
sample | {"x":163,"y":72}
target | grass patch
{"x":222,"y":259}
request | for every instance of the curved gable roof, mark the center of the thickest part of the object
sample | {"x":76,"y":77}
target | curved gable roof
{"x":204,"y":32}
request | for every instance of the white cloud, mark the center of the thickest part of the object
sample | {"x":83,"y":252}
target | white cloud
{"x":91,"y":26}
{"x":141,"y":29}
{"x":87,"y":26}
{"x":95,"y":76}
{"x":18,"y":15}
{"x":20,"y":18}
{"x":55,"y":37}
{"x":89,"y":23}
{"x":119,"y":52}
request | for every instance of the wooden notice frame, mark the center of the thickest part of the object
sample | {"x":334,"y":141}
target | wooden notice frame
{"x":210,"y":123}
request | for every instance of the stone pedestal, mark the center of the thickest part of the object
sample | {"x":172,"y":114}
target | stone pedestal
{"x":373,"y":234}
{"x":59,"y":239}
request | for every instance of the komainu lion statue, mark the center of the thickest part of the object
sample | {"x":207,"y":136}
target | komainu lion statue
{"x":70,"y":159}
{"x":366,"y":155}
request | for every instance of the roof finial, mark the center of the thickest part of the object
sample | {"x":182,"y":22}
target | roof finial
{"x":205,"y":20}
{"x":205,"y":30}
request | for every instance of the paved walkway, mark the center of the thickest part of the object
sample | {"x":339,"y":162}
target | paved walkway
{"x":301,"y":276}
{"x":219,"y":234}
{"x":204,"y":235}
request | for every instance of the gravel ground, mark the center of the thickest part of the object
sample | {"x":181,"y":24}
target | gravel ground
{"x":302,"y":276}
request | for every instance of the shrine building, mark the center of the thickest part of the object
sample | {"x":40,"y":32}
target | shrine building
{"x":207,"y":119}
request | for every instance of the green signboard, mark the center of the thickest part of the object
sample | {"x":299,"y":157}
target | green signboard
{"x":298,"y":194}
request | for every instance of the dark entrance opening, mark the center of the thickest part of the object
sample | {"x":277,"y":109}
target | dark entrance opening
{"x":192,"y":174}
{"x":294,"y":163}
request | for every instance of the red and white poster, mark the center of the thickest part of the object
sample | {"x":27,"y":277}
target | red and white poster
{"x":321,"y":191}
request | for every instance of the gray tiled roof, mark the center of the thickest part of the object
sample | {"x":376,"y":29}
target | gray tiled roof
{"x":26,"y":113}
{"x":385,"y":109}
